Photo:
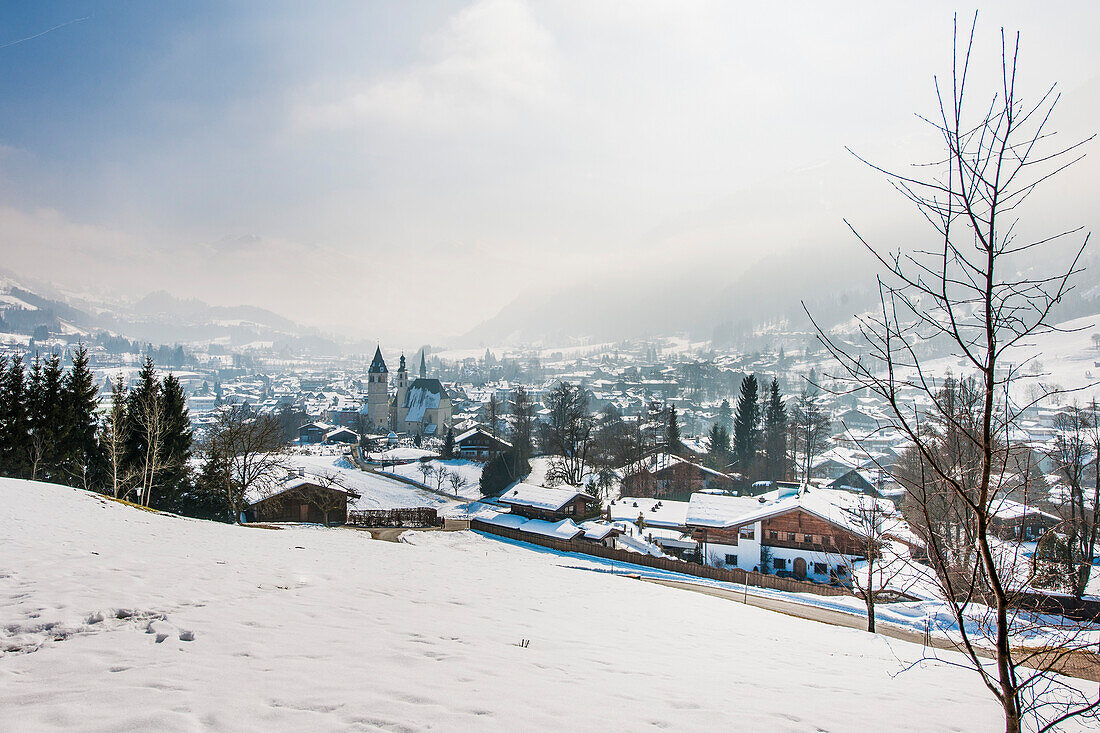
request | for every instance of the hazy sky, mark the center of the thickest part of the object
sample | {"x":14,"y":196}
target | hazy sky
{"x":404,"y":170}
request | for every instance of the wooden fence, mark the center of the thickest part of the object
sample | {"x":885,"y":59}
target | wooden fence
{"x":734,"y":575}
{"x":414,"y":517}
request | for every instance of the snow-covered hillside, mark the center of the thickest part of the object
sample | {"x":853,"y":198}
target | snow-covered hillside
{"x":115,"y":618}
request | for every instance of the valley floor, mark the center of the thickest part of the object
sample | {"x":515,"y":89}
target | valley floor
{"x":115,"y":618}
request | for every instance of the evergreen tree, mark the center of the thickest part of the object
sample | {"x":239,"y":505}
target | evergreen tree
{"x":144,"y":429}
{"x":46,"y":419}
{"x":746,"y":426}
{"x":173,"y":485}
{"x":672,"y":432}
{"x":448,"y":444}
{"x":14,"y":420}
{"x":502,"y":471}
{"x":206,"y":498}
{"x":725,"y":416}
{"x":82,"y":460}
{"x":775,"y":435}
{"x":718,"y":444}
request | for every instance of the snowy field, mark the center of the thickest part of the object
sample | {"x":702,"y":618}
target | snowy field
{"x":470,"y":471}
{"x":375,"y":490}
{"x":120,"y":619}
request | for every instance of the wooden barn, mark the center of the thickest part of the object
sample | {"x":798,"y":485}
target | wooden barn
{"x":301,"y":499}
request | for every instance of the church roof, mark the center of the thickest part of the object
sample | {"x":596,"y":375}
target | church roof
{"x":378,"y":366}
{"x":423,"y":395}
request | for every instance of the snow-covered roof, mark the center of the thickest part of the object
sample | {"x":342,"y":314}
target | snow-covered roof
{"x":294,"y":482}
{"x":839,"y":508}
{"x":566,"y":529}
{"x":594,"y":529}
{"x":479,"y":429}
{"x":423,"y":395}
{"x":657,"y":512}
{"x":718,"y":510}
{"x":540,"y":497}
{"x":661,"y":461}
{"x":1007,"y":510}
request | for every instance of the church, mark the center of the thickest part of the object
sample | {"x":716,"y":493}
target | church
{"x":421,"y":408}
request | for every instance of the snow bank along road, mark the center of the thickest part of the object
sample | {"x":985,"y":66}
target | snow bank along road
{"x":115,"y":618}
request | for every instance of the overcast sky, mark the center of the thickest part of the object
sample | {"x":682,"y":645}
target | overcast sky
{"x":404,"y":170}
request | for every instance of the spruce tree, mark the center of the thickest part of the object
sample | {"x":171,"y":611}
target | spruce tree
{"x":173,"y":484}
{"x":718,"y":444}
{"x":775,"y":435}
{"x":14,"y":419}
{"x":449,"y":444}
{"x":725,"y":416}
{"x":40,"y":433}
{"x":746,"y":426}
{"x":82,"y":459}
{"x":143,"y":429}
{"x":672,"y":432}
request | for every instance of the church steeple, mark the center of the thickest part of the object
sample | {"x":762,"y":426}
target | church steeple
{"x":402,"y":367}
{"x":378,"y":366}
{"x":423,"y":366}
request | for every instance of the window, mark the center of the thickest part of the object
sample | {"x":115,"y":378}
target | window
{"x":731,"y":559}
{"x":790,"y":536}
{"x":746,"y":533}
{"x":779,"y":563}
{"x":821,"y":568}
{"x":841,"y":571}
{"x":773,"y":535}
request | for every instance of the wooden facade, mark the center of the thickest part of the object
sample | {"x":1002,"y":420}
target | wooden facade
{"x":305,"y":503}
{"x":800,"y":530}
{"x":677,"y":481}
{"x":480,"y":446}
{"x":796,"y":530}
{"x":578,"y":508}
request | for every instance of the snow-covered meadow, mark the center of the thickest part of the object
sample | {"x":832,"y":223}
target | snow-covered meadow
{"x":116,"y":618}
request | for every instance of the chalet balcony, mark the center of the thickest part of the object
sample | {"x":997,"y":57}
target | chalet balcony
{"x":813,"y":547}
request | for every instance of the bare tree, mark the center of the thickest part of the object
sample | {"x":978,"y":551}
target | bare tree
{"x":1070,"y":454}
{"x":113,"y":440}
{"x":877,"y":574}
{"x":570,"y":434}
{"x":457,"y":482}
{"x":956,"y":294}
{"x":441,"y":476}
{"x":250,"y":451}
{"x":427,"y":470}
{"x":151,"y":421}
{"x":326,"y":493}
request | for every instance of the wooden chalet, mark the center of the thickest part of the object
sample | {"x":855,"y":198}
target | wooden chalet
{"x":810,"y":534}
{"x":313,"y":432}
{"x":301,"y":499}
{"x":552,"y":505}
{"x":1013,"y":521}
{"x":668,"y":476}
{"x":479,"y":444}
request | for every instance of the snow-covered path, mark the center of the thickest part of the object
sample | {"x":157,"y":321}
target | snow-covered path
{"x":314,"y":629}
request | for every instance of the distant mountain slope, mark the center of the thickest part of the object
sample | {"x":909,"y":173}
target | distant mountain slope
{"x":159,"y":317}
{"x":711,"y":302}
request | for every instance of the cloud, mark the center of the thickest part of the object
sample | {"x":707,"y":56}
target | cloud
{"x":490,"y":59}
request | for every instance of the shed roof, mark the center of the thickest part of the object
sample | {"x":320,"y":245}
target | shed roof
{"x":541,"y":497}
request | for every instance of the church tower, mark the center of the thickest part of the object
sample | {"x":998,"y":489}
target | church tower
{"x":402,"y":384}
{"x":378,"y":397}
